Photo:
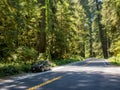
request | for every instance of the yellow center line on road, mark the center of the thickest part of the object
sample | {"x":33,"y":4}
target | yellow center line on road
{"x":45,"y":83}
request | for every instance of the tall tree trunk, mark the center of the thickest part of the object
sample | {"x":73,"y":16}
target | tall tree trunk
{"x":88,"y":13}
{"x":53,"y":20}
{"x":42,"y":33}
{"x":102,"y":33}
{"x":91,"y":42}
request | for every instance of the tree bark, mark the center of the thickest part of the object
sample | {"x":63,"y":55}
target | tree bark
{"x":91,"y":42}
{"x":42,"y":33}
{"x":102,"y":33}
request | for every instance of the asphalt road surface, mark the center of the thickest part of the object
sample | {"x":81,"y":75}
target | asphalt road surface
{"x":91,"y":74}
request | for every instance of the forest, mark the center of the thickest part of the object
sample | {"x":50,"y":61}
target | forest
{"x":57,"y":30}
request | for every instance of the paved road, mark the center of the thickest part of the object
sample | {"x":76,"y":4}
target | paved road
{"x":92,"y":74}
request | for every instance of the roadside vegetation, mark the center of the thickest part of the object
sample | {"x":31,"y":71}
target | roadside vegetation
{"x":115,"y":60}
{"x":62,"y":31}
{"x":9,"y":69}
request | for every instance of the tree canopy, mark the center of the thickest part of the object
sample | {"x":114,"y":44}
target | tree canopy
{"x":58,"y":29}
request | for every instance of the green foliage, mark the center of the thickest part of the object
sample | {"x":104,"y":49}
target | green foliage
{"x":110,"y":20}
{"x":76,"y":57}
{"x":63,"y":62}
{"x":115,"y":60}
{"x":25,"y":54}
{"x":13,"y":69}
{"x":19,"y":26}
{"x":67,"y":30}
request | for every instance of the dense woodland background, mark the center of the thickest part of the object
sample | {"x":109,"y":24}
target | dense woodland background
{"x":33,"y":30}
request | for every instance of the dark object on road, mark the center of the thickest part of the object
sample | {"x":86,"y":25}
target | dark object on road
{"x":41,"y":66}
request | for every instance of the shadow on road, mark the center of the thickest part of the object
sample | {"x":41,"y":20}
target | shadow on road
{"x":71,"y":80}
{"x":88,"y":75}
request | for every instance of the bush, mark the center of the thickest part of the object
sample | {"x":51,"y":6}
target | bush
{"x":8,"y":70}
{"x":63,"y":62}
{"x":76,"y":57}
{"x":115,"y":60}
{"x":12,"y":69}
{"x":26,"y":67}
{"x":26,"y":54}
